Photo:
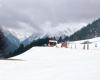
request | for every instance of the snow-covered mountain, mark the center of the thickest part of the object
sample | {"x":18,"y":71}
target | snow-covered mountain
{"x":92,"y":30}
{"x":33,"y":37}
{"x":10,"y":41}
{"x":13,"y":39}
{"x":61,"y":28}
{"x":13,"y":42}
{"x":27,"y":35}
{"x":20,"y":35}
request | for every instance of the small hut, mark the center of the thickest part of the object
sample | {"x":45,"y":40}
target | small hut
{"x":52,"y":43}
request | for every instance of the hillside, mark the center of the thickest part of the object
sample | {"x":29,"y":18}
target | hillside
{"x":2,"y":40}
{"x":8,"y":43}
{"x":90,"y":31}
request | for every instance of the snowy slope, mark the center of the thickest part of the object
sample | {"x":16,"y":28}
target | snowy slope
{"x":52,"y":64}
{"x":45,"y":63}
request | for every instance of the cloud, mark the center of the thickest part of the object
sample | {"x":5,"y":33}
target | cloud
{"x":34,"y":13}
{"x":61,"y":29}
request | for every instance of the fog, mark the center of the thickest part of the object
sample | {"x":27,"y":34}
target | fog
{"x":48,"y":16}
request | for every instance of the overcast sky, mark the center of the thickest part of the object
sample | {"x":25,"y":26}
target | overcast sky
{"x":40,"y":13}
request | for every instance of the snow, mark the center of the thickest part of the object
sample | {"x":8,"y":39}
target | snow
{"x":20,"y":34}
{"x":51,"y":63}
{"x":60,"y":29}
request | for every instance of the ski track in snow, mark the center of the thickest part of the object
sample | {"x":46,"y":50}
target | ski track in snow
{"x":44,"y":63}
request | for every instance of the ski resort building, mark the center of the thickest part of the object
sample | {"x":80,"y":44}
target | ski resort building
{"x":52,"y":43}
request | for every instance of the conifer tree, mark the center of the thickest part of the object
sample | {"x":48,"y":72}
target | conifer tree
{"x":2,"y":40}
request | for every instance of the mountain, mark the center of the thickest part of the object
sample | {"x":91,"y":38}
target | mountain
{"x":12,"y":42}
{"x":30,"y":39}
{"x":8,"y":43}
{"x":16,"y":44}
{"x":10,"y":47}
{"x":90,"y":31}
{"x":11,"y":37}
{"x":20,"y":34}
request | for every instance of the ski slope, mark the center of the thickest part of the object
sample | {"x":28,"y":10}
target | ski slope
{"x":52,"y":63}
{"x":45,"y":63}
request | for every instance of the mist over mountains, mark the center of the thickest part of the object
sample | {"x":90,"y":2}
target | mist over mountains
{"x":13,"y":43}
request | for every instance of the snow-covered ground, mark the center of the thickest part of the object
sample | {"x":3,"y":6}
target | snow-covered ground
{"x":46,"y":63}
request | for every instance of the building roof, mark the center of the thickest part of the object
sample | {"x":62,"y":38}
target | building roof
{"x":53,"y":41}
